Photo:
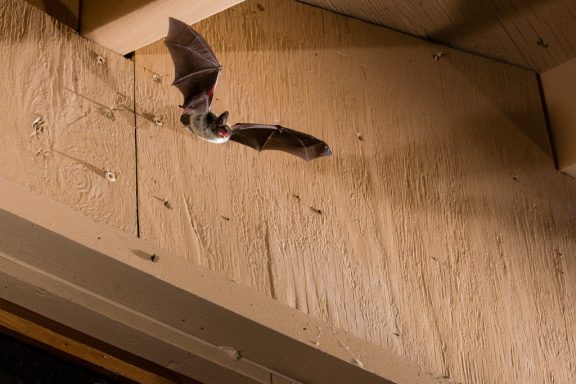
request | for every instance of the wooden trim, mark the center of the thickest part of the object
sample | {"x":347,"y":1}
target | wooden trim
{"x":559,"y":86}
{"x":126,"y":25}
{"x":107,"y":284}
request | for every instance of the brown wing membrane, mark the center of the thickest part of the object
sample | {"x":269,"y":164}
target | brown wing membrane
{"x":275,"y":137}
{"x":196,"y":67}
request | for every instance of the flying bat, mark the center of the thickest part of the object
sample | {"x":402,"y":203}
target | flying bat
{"x":196,"y":75}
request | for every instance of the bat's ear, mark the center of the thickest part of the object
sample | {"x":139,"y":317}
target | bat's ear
{"x":222,"y":119}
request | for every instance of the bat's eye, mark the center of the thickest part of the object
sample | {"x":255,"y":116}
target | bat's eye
{"x":185,"y":119}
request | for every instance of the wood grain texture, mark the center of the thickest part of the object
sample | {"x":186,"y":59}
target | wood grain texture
{"x":65,"y":11}
{"x":439,"y":229}
{"x":94,"y":279}
{"x":65,"y":117}
{"x":536,"y":34}
{"x":559,"y":85}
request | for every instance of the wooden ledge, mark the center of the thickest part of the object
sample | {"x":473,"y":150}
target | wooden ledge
{"x":124,"y":291}
{"x":126,"y":25}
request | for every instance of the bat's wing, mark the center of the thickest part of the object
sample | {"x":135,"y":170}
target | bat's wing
{"x":275,"y":137}
{"x":196,"y":67}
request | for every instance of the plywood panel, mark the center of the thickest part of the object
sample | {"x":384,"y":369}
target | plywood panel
{"x":559,"y":86}
{"x":439,"y":229}
{"x":536,"y":34}
{"x":67,"y":131}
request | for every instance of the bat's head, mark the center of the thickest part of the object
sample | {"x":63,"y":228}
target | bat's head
{"x":221,"y":129}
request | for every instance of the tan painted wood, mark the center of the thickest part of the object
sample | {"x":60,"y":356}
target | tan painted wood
{"x":65,"y":116}
{"x":126,"y":25}
{"x":536,"y":34}
{"x":74,"y":348}
{"x":559,"y":86}
{"x":99,"y":281}
{"x":65,"y":11}
{"x":439,"y":230}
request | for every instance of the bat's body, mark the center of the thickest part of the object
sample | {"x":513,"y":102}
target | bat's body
{"x":197,"y":71}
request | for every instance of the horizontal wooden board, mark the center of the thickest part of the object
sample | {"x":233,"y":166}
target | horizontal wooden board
{"x":67,"y":129}
{"x":439,"y":229}
{"x":126,"y":25}
{"x":98,"y":281}
{"x":536,"y":34}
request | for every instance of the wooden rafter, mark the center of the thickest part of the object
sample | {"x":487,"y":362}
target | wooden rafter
{"x":126,"y":25}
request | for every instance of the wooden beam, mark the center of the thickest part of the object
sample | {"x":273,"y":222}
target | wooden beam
{"x":153,"y":304}
{"x":126,"y":25}
{"x":559,"y":86}
{"x":527,"y":33}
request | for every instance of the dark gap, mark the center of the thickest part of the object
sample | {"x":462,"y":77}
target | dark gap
{"x":547,"y":120}
{"x":23,"y":360}
{"x":89,"y":341}
{"x":79,"y":18}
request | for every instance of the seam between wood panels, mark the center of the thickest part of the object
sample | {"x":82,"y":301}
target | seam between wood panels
{"x":547,"y":120}
{"x":79,"y":18}
{"x":137,"y":183}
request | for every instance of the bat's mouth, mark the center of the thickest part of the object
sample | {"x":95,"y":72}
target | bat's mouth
{"x":223,"y":132}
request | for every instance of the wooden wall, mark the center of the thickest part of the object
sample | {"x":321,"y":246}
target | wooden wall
{"x":439,"y":229}
{"x":67,"y":128}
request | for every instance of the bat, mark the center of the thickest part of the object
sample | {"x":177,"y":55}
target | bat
{"x":196,"y":75}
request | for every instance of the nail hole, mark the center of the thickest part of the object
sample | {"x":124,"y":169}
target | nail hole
{"x":225,"y":218}
{"x":110,"y":176}
{"x":109,"y":113}
{"x":38,"y":125}
{"x":438,"y":55}
{"x":167,"y":204}
{"x":315,"y":210}
{"x":542,"y":43}
{"x":154,"y":258}
{"x":359,"y":136}
{"x":157,"y":121}
{"x":100,"y":60}
{"x":156,"y":78}
{"x":296,"y":197}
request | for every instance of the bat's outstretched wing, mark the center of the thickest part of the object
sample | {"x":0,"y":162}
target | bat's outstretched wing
{"x":196,"y":67}
{"x":275,"y":137}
